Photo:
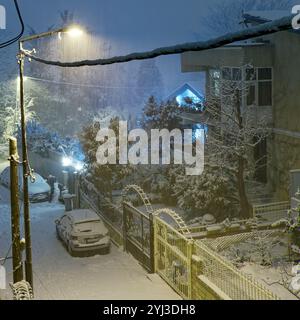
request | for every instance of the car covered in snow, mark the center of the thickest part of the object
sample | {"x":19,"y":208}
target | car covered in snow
{"x":83,"y":232}
{"x":39,"y":190}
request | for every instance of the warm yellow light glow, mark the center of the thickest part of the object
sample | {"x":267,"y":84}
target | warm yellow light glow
{"x":75,"y":31}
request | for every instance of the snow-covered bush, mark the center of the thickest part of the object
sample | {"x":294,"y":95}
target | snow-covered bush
{"x":209,"y":193}
{"x":42,"y":141}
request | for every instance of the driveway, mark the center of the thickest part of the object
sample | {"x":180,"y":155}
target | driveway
{"x":59,"y":276}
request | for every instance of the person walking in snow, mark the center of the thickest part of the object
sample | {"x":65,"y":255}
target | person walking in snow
{"x":51,"y":181}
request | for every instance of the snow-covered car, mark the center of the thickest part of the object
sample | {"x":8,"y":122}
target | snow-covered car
{"x":83,"y":232}
{"x":39,"y":190}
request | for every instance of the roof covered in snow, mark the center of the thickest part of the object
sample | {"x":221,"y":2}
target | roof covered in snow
{"x":186,"y":91}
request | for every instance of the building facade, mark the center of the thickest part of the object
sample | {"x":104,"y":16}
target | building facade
{"x":269,"y":66}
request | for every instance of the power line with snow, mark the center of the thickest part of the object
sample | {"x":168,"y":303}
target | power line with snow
{"x":282,"y":24}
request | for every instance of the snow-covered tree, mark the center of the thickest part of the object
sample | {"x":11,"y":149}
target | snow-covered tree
{"x":67,"y":17}
{"x":163,"y":115}
{"x":10,"y":110}
{"x":149,"y":82}
{"x":234,"y":132}
{"x":107,"y":177}
{"x":198,"y":195}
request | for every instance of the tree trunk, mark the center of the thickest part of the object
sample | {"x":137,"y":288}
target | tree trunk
{"x":244,"y":202}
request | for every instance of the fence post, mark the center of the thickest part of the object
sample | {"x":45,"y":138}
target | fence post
{"x":77,"y":190}
{"x":71,"y":182}
{"x":155,"y":249}
{"x":190,"y":245}
{"x":152,"y":246}
{"x":15,"y":213}
{"x":253,"y":211}
{"x":124,"y":227}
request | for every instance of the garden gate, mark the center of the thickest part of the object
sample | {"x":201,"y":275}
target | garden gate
{"x":138,"y":228}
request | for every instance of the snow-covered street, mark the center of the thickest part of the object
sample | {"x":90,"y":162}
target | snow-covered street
{"x":59,"y":276}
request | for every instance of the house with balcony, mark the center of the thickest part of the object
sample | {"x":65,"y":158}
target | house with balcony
{"x":270,"y":67}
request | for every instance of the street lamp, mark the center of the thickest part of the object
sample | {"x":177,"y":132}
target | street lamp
{"x":73,"y":31}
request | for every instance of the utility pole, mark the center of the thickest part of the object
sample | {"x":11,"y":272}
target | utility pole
{"x":15,"y":213}
{"x":73,"y":31}
{"x":26,"y":174}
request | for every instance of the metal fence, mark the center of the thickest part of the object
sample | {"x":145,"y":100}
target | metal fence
{"x":196,"y":272}
{"x":271,"y":212}
{"x":222,"y":243}
{"x":221,"y":279}
{"x":191,"y":268}
{"x":110,"y":214}
{"x":172,"y":257}
{"x":138,"y":235}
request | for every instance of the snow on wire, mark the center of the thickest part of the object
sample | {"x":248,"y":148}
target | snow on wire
{"x":265,"y":29}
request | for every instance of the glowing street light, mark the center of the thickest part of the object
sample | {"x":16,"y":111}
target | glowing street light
{"x":67,"y":162}
{"x":75,"y":31}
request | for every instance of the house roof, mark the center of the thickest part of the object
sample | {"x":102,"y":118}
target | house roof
{"x":181,"y":90}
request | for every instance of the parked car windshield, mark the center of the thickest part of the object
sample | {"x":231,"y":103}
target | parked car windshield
{"x":86,"y":226}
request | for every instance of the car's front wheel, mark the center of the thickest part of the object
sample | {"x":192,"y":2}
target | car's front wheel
{"x":70,"y":250}
{"x":57,"y":234}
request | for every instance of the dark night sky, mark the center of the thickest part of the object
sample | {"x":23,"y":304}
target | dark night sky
{"x":137,"y":24}
{"x":129,"y":25}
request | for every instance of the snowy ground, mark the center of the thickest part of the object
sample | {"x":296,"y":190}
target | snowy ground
{"x":59,"y":276}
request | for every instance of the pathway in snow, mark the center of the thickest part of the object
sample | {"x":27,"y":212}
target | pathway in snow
{"x":59,"y":276}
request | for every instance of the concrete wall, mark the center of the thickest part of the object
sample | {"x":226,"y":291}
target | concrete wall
{"x":287,"y":81}
{"x":286,"y":111}
{"x":284,"y":156}
{"x":234,"y":56}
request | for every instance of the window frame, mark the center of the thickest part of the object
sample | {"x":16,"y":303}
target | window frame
{"x":254,"y":83}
